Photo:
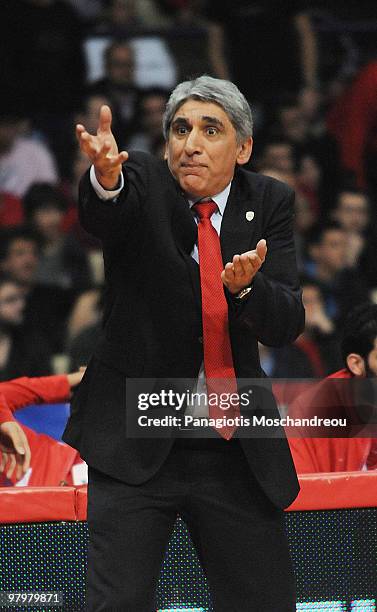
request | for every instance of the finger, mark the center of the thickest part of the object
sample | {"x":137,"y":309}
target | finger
{"x":229,"y":273}
{"x":246,"y":264}
{"x":3,"y":461}
{"x":123,"y":156}
{"x":23,"y":451}
{"x":27,"y":456}
{"x":88,"y":145}
{"x":80,"y":129}
{"x":255,"y":261}
{"x":237,"y":266}
{"x":11,"y":465}
{"x":105,"y":119}
{"x":21,"y":467}
{"x":111,"y":161}
{"x":261,"y":249}
{"x":18,"y":439}
{"x":116,"y":160}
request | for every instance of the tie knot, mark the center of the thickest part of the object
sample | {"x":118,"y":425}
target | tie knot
{"x":205,"y":210}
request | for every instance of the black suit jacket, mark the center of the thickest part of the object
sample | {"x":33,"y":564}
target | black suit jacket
{"x":152,"y":319}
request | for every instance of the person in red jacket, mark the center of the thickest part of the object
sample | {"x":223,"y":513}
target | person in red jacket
{"x":335,"y":396}
{"x":352,"y":120}
{"x":20,"y":447}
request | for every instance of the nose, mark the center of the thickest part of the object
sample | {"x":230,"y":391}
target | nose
{"x":193,"y":145}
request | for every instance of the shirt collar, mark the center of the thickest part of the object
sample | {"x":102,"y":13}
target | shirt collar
{"x":220,"y":199}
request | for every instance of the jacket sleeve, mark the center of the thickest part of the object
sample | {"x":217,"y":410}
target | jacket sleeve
{"x":274,"y":310}
{"x":20,"y":392}
{"x":115,"y":220}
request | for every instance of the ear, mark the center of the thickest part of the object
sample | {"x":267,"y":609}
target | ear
{"x":166,"y":151}
{"x":244,"y":151}
{"x":356,"y":364}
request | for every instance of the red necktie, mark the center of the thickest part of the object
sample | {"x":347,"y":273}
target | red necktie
{"x":218,"y":361}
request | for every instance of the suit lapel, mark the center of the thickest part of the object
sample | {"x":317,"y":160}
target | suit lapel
{"x":185,"y":232}
{"x":237,"y":229}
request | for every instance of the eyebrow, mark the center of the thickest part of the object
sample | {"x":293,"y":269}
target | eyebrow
{"x":204,"y":119}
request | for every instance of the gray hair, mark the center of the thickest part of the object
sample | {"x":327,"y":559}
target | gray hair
{"x":218,"y":91}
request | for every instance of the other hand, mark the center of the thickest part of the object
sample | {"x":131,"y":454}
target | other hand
{"x":239,"y":273}
{"x":14,"y":450}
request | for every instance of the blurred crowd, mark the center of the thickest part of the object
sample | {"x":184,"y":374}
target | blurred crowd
{"x":309,"y":72}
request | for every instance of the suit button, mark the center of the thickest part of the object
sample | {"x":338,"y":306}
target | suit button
{"x":200,"y":339}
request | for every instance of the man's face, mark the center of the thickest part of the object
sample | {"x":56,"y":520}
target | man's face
{"x":48,"y":221}
{"x":332,"y":250}
{"x":121,"y":65}
{"x":202,"y":148}
{"x":353,"y":212}
{"x":293,"y":123}
{"x":12,"y":303}
{"x":279,"y":156}
{"x":22,"y":260}
{"x":153,"y":112}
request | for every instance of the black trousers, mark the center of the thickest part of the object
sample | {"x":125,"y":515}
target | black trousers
{"x":238,"y":533}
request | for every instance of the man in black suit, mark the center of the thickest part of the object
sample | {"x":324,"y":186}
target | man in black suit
{"x":230,"y":492}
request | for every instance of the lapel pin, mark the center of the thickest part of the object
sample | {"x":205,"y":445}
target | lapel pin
{"x":250,"y":215}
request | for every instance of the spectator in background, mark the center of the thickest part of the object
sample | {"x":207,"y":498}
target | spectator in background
{"x":43,"y":69}
{"x":119,"y":17}
{"x":342,"y":286}
{"x":70,"y":189}
{"x":187,"y":36}
{"x":319,"y":340}
{"x":22,"y":350}
{"x":23,"y":160}
{"x":336,"y":396}
{"x":47,"y":306}
{"x":293,"y":125}
{"x":352,"y":120}
{"x":316,"y":352}
{"x":136,"y":24}
{"x":150,"y":113}
{"x":267,"y":47}
{"x":52,"y":462}
{"x":118,"y":86}
{"x":308,"y":181}
{"x":62,"y":261}
{"x":353,"y":213}
{"x":304,"y":221}
{"x":84,"y":326}
{"x":277,"y":154}
{"x":285,"y":362}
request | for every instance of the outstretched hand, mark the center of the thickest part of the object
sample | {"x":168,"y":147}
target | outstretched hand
{"x":239,"y":273}
{"x":102,"y":150}
{"x":14,"y":450}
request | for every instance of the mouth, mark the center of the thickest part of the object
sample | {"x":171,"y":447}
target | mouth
{"x":192,"y":168}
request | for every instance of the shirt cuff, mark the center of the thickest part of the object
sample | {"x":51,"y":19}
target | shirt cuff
{"x":105,"y":194}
